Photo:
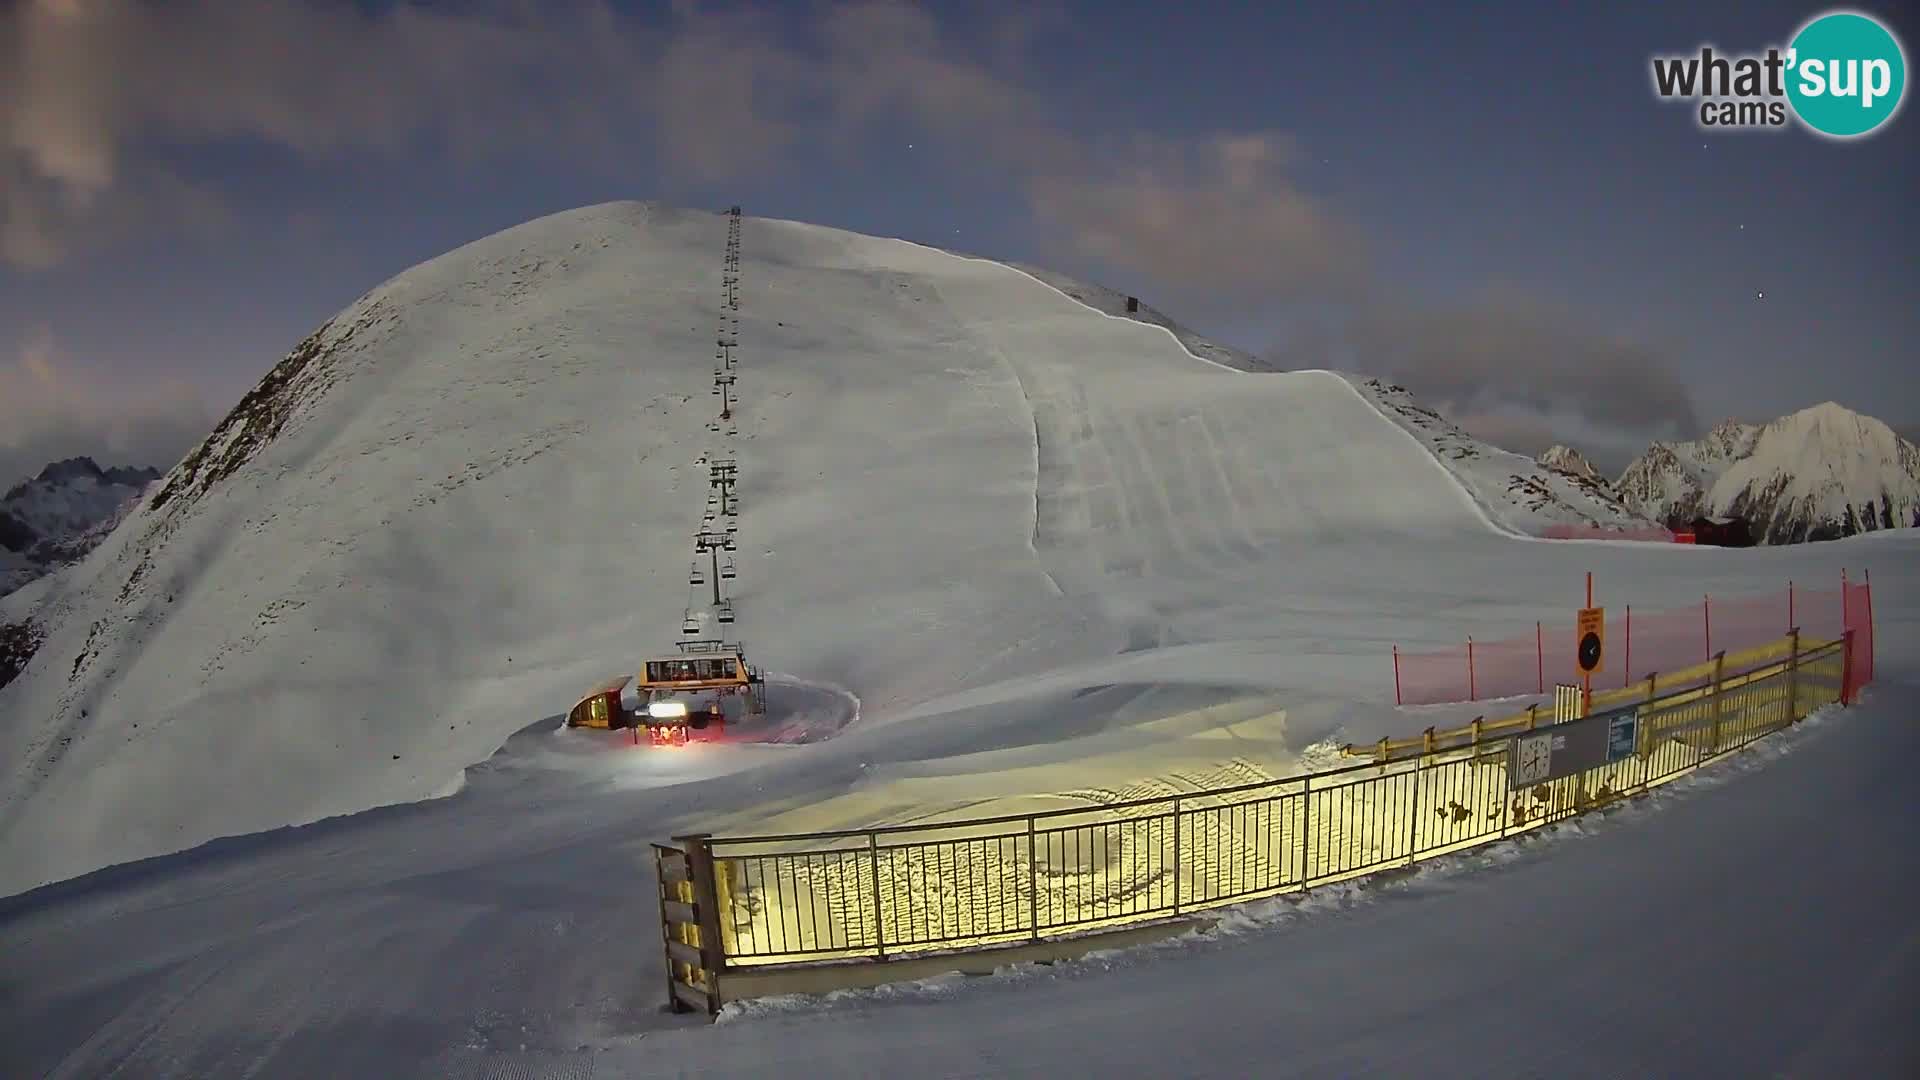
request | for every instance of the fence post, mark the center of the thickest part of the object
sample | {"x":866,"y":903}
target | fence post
{"x":1396,"y":676}
{"x":1539,"y":659}
{"x":1719,"y":669}
{"x":1651,"y":692}
{"x":1792,"y":624}
{"x":1475,"y":726}
{"x":879,"y":913}
{"x":1846,"y":667}
{"x":1426,"y":747}
{"x":1033,"y":880}
{"x":1306,"y":832}
{"x":1506,"y":794}
{"x":1413,"y":818}
{"x":706,"y":901}
{"x":1176,"y":856}
{"x":1793,"y":675}
{"x":1533,"y":715}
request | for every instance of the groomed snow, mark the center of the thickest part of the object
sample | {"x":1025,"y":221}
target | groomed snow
{"x":1030,"y":541}
{"x":1765,"y":900}
{"x":962,"y":490}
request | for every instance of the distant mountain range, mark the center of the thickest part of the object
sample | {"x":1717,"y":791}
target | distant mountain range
{"x":1818,"y":474}
{"x":58,"y":516}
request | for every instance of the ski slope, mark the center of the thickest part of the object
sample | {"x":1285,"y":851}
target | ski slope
{"x":1034,"y":543}
{"x":471,"y":494}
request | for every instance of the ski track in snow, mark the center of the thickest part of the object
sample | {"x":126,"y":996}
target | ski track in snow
{"x":976,"y":511}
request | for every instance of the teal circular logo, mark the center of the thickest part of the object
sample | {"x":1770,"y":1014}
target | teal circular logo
{"x":1846,"y":74}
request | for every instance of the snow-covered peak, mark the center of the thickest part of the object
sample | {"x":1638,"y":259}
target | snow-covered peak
{"x":1823,"y":471}
{"x":1563,"y":458}
{"x":66,"y":500}
{"x":59,"y":515}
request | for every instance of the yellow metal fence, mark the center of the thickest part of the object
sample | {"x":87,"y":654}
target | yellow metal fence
{"x":885,"y":892}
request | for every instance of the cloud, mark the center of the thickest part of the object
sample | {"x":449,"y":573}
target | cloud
{"x":52,"y":409}
{"x":1523,"y":431}
{"x":1215,"y":212}
{"x":92,"y":93}
{"x":1513,"y":370}
{"x":88,"y":89}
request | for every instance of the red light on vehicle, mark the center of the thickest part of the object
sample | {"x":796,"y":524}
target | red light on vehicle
{"x":667,"y":734}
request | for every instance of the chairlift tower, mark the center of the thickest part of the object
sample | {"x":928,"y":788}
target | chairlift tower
{"x":712,"y":544}
{"x":723,"y":473}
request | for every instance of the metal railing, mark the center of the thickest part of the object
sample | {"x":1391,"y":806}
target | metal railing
{"x":879,"y":893}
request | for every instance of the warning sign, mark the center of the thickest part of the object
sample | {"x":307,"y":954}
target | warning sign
{"x":1591,"y":634}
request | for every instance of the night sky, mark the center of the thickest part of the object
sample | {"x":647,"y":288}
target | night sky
{"x":1485,"y":202}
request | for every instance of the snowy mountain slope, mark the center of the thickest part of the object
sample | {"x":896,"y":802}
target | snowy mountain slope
{"x":1822,"y":472}
{"x":1669,"y":482}
{"x":1518,"y":493}
{"x":473,"y":491}
{"x":58,"y":516}
{"x":892,"y":545}
{"x":967,"y":499}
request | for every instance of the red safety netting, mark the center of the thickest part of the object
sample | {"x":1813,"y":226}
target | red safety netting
{"x":1639,"y":643}
{"x":1652,"y":534}
{"x":1858,"y":605}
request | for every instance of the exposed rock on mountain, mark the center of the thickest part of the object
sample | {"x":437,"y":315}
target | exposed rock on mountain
{"x":58,"y":516}
{"x":1566,"y":459}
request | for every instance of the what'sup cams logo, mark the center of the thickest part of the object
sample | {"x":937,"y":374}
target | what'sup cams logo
{"x":1843,"y":75}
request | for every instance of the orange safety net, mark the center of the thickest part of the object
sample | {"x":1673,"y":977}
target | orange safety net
{"x":1652,"y":534}
{"x":1639,"y":643}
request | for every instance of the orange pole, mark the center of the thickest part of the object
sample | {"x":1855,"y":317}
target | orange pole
{"x":1586,"y":678}
{"x":1706,"y":616}
{"x":1539,"y":659}
{"x":1868,"y":589}
{"x":1472,"y":692}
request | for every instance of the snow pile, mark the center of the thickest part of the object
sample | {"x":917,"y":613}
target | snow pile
{"x":1816,"y":474}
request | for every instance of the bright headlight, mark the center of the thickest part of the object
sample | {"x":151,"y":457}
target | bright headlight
{"x":667,"y":710}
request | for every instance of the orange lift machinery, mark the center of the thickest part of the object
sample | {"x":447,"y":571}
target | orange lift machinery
{"x":678,"y":699}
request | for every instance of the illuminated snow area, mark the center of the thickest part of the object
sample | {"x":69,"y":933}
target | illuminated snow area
{"x":968,"y":500}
